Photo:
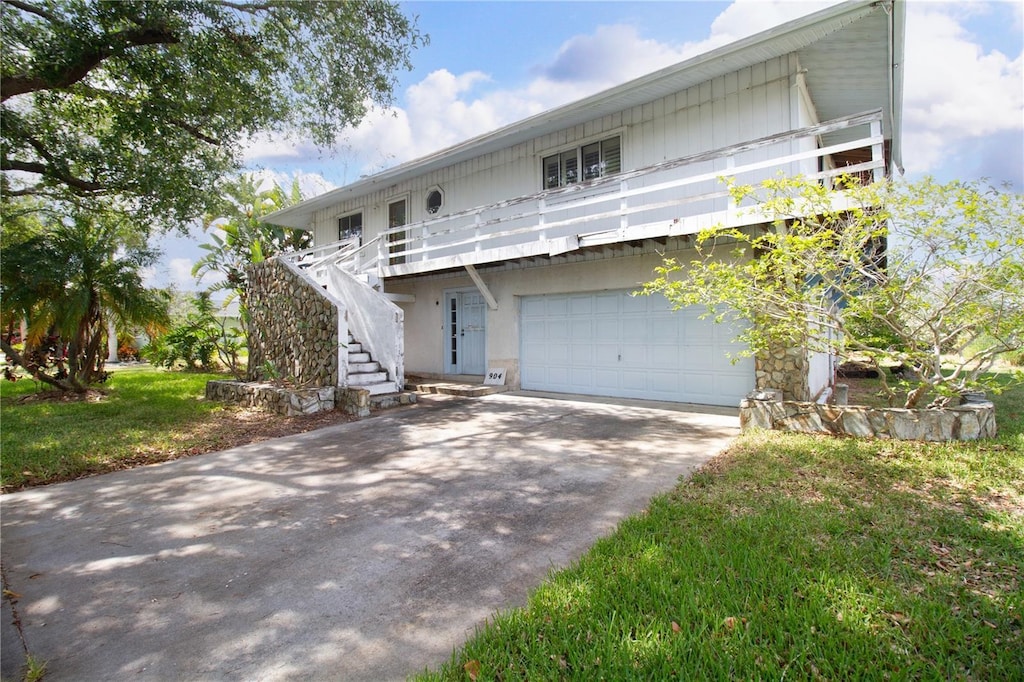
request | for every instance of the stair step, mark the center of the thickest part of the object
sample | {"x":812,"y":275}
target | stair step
{"x":386,"y":400}
{"x":354,"y":347}
{"x":362,"y":380}
{"x":363,"y":367}
{"x":377,"y":388}
{"x":359,"y":357}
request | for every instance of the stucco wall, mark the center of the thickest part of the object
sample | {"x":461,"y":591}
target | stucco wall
{"x":294,"y":325}
{"x":621,"y":267}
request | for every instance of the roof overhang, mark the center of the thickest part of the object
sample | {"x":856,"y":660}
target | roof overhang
{"x":792,"y":37}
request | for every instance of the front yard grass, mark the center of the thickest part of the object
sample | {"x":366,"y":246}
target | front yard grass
{"x":144,"y":411}
{"x":793,"y":556}
{"x":145,"y":415}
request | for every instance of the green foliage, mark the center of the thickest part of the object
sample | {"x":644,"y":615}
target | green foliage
{"x":791,"y":557}
{"x":67,"y":279}
{"x":196,"y":341}
{"x":238,"y":237}
{"x":146,"y":415}
{"x":917,"y":274}
{"x":185,"y":344}
{"x":147,"y":104}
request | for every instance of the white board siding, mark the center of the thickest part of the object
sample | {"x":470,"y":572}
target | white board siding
{"x":712,"y":114}
{"x":613,"y":344}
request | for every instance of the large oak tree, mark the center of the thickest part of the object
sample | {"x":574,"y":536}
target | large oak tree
{"x":147,"y":103}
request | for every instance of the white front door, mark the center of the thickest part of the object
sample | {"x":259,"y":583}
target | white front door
{"x":465,"y":326}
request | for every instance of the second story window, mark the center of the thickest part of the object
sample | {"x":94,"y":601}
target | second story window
{"x":350,"y":226}
{"x":594,"y":160}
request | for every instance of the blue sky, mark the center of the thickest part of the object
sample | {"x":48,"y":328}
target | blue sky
{"x":492,"y":63}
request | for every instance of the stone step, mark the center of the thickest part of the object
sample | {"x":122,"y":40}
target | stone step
{"x":379,"y":388}
{"x":392,"y":399}
{"x":452,"y":388}
{"x":365,"y":379}
{"x":359,"y":357}
{"x":354,"y":347}
{"x":363,"y":367}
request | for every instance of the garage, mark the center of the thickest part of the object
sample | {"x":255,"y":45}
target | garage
{"x":613,"y":344}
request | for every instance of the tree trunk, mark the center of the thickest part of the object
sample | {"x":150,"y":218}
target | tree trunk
{"x":915,"y":396}
{"x":35,"y":370}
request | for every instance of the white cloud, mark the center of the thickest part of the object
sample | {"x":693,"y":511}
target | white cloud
{"x":747,"y":17}
{"x":445,"y":108}
{"x":954,"y":90}
{"x":180,"y":273}
{"x":310,"y":184}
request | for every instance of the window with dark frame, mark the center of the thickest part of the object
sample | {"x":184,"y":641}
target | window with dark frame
{"x":591,"y":161}
{"x":351,"y":226}
{"x":435,"y":199}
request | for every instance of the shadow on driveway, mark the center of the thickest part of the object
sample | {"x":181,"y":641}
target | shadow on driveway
{"x":363,"y":551}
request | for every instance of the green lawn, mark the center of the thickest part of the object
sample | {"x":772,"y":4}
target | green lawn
{"x":793,"y":557}
{"x":147,"y":415}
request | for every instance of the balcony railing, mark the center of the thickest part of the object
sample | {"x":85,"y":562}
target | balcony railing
{"x":680,"y":196}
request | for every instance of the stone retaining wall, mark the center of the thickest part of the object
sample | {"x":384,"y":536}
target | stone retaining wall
{"x":285,"y":401}
{"x":293,"y":326}
{"x":970,"y":421}
{"x":296,"y":401}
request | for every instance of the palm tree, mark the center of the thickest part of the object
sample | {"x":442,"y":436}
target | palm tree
{"x":65,"y":281}
{"x":238,"y":237}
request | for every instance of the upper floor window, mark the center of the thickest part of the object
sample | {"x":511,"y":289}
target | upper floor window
{"x":594,"y":160}
{"x":350,"y":226}
{"x":435,"y":199}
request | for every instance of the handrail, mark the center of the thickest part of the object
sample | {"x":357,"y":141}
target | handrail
{"x":551,"y":216}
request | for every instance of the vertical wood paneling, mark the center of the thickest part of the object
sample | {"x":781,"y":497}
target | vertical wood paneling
{"x":748,"y":104}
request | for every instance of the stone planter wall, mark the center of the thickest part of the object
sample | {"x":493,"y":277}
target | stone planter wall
{"x":970,"y":421}
{"x":284,"y":401}
{"x":292,"y":402}
{"x":293,"y":325}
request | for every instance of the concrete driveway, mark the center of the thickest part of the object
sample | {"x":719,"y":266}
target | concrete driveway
{"x":364,"y":551}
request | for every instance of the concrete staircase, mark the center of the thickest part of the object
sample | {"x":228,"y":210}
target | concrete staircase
{"x":364,"y":372}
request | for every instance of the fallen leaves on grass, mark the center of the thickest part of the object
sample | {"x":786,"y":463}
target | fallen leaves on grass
{"x":228,"y":428}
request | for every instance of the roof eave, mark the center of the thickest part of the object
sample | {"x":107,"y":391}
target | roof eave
{"x":300,"y":215}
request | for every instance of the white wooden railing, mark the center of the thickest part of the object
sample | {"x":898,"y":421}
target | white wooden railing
{"x":679,"y":196}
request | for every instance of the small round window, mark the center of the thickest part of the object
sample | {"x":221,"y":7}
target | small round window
{"x":434,"y":200}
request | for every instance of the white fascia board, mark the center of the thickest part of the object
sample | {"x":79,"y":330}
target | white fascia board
{"x":781,"y":39}
{"x":897,"y":27}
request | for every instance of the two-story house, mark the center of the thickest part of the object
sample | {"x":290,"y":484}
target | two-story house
{"x":519,"y":249}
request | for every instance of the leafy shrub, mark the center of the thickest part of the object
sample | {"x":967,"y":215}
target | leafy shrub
{"x":185,"y":343}
{"x":197,"y":341}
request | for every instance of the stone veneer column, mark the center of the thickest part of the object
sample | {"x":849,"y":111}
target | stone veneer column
{"x":292,"y":325}
{"x":783,"y":369}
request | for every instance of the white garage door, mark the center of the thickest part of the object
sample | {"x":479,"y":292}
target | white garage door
{"x":614,"y":344}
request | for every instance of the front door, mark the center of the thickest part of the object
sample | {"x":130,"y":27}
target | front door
{"x":465,"y":319}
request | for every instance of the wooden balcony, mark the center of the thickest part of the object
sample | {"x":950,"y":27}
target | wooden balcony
{"x":675,"y":197}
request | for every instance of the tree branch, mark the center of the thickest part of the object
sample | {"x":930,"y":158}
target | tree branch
{"x":51,"y":172}
{"x":194,"y":131}
{"x":33,"y":9}
{"x":20,"y":84}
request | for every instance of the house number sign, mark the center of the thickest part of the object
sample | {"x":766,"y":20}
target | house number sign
{"x":495,"y":377}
